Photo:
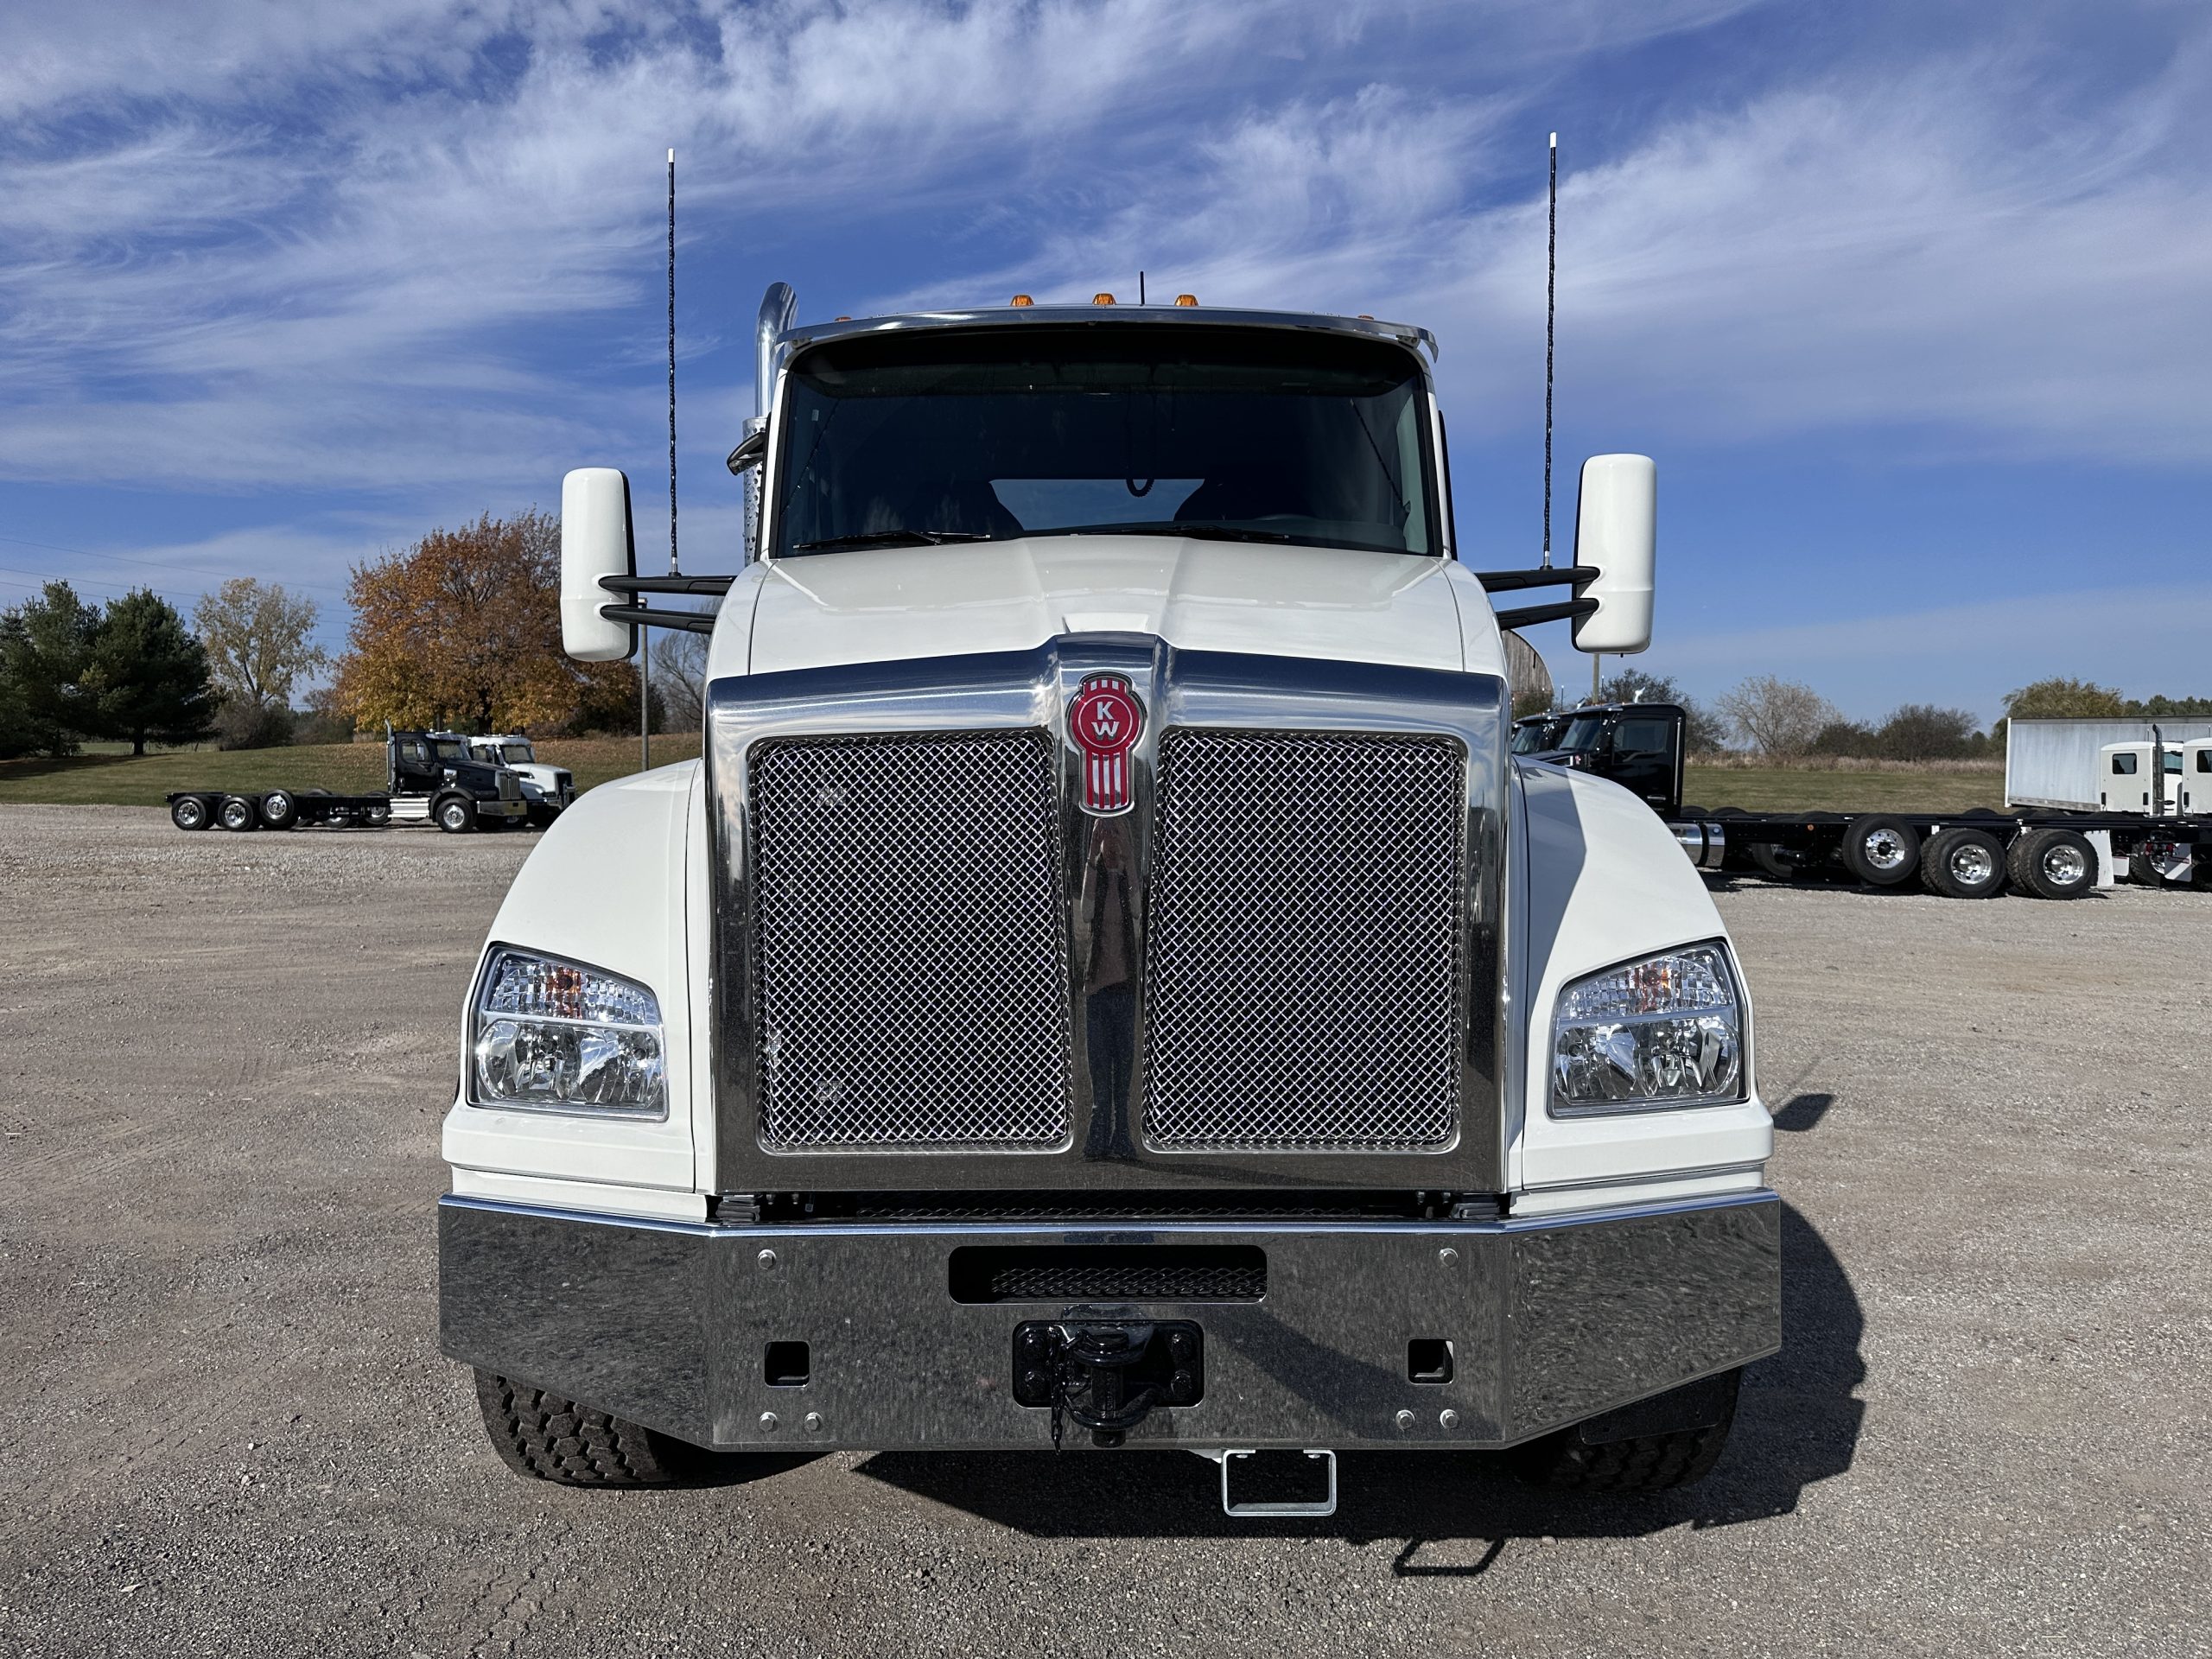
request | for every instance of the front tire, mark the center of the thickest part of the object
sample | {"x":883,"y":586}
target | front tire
{"x":1881,"y":850}
{"x":1596,"y":1457}
{"x":456,"y":814}
{"x":547,"y":1438}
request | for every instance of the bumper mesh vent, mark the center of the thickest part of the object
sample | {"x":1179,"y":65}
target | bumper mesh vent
{"x":1303,"y":989}
{"x":910,"y":953}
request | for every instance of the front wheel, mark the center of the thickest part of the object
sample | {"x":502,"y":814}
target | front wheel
{"x":548,"y":1438}
{"x":456,"y":814}
{"x":1881,"y":850}
{"x":1672,"y":1439}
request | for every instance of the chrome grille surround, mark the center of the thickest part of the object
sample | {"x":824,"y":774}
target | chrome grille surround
{"x":1305,"y":986}
{"x":910,"y":956}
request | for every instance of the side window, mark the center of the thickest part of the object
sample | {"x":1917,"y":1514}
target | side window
{"x":2169,"y":761}
{"x":2204,"y":759}
{"x":2123,"y":766}
{"x":1642,"y":737}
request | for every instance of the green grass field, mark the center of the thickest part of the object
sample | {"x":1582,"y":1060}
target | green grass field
{"x":1783,"y":788}
{"x":118,"y":779}
{"x":343,"y":768}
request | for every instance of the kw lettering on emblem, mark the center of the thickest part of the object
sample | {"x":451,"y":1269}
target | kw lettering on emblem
{"x":1104,"y":720}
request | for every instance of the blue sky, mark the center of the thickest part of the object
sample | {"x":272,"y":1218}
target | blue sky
{"x":1912,"y":302}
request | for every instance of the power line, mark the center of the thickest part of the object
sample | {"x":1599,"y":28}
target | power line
{"x":156,"y":565}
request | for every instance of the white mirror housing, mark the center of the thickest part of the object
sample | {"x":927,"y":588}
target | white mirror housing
{"x":595,"y":542}
{"x":1617,"y":534}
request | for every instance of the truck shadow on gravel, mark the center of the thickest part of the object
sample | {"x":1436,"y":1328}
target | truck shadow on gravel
{"x":1798,"y":1422}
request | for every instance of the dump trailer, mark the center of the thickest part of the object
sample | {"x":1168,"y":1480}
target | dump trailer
{"x":1107,"y":986}
{"x":1974,"y":853}
{"x":430,"y":778}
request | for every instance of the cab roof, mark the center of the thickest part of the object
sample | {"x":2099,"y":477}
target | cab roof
{"x":1019,"y":316}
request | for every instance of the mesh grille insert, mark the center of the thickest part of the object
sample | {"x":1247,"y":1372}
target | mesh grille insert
{"x":911,"y":958}
{"x":1140,"y":1273}
{"x":1304,"y":968}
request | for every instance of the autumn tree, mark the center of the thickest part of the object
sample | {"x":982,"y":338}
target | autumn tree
{"x":146,"y":676}
{"x":464,"y":629}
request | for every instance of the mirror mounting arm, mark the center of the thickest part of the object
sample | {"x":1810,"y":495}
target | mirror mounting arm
{"x":1559,"y":611}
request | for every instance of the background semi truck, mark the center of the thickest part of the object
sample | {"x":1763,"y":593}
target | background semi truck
{"x":2127,"y":802}
{"x":430,"y":778}
{"x":1106,"y":985}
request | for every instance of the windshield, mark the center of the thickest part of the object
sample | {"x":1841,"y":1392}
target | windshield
{"x":1253,"y":436}
{"x":1528,"y":736}
{"x":516,"y":755}
{"x":1584,"y":733}
{"x":447,"y":749}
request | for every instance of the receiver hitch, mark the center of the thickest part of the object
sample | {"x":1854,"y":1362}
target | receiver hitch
{"x":1107,"y":1375}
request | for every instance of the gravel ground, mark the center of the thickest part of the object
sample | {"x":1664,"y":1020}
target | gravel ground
{"x":232,"y":1432}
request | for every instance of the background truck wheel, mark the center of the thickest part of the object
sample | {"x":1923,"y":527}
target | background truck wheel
{"x":2053,"y":863}
{"x":1773,"y":863}
{"x":456,"y":814}
{"x":278,"y":810}
{"x":189,"y":812}
{"x":1880,"y":850}
{"x":236,"y":812}
{"x":378,"y":816}
{"x":1637,"y":1449}
{"x":1962,"y":863}
{"x":548,"y":1438}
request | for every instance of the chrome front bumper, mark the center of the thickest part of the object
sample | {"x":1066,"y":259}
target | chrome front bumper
{"x":1551,"y":1320}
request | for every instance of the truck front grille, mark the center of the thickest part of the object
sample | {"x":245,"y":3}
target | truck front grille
{"x":910,"y":943}
{"x":1304,"y":983}
{"x":509,"y":787}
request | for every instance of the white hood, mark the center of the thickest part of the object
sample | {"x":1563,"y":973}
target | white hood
{"x":827,"y":609}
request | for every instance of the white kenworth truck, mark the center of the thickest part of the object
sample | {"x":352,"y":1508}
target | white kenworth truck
{"x":1106,"y":984}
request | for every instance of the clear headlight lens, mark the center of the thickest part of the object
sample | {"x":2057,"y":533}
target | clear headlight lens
{"x":1668,"y":1031}
{"x":551,"y":1033}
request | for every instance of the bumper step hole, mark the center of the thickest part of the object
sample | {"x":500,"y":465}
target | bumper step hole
{"x":1428,"y":1359}
{"x":787,"y":1364}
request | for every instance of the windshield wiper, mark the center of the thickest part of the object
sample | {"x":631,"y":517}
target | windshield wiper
{"x":1196,"y":530}
{"x":892,"y":538}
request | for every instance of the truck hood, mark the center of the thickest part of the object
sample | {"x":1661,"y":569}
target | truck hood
{"x":825,"y":610}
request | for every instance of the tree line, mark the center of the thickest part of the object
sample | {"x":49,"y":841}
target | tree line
{"x":131,"y":670}
{"x":1783,"y":719}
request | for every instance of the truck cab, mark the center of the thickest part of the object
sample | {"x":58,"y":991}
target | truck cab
{"x":2145,"y":776}
{"x":432,"y":777}
{"x":1638,"y":746}
{"x":547,"y":789}
{"x":1107,"y":983}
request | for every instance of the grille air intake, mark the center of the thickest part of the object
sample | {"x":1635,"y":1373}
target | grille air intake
{"x":910,"y":946}
{"x":1304,"y":961}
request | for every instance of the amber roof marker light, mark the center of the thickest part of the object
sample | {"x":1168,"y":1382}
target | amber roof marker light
{"x":1187,"y":299}
{"x":1102,"y":298}
{"x":1021,"y":299}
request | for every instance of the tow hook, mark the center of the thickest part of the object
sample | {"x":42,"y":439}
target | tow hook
{"x":1226,"y":1455}
{"x":1107,"y":1375}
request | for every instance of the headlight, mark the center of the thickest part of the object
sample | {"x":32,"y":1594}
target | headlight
{"x":1667,"y":1031}
{"x":554,"y":1035}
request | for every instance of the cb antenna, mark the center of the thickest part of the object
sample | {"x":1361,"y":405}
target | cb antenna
{"x":672,"y":569}
{"x":1551,"y":310}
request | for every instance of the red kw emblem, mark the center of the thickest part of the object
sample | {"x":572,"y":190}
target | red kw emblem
{"x":1104,"y":721}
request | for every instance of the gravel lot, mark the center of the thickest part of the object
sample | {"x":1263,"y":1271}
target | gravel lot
{"x":233,"y":1433}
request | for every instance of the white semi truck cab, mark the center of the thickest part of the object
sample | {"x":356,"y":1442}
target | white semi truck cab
{"x":1107,"y":984}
